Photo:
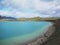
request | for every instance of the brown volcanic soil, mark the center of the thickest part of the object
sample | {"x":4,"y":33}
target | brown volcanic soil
{"x":55,"y":38}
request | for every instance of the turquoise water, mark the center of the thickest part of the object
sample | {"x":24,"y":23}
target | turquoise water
{"x":21,"y":31}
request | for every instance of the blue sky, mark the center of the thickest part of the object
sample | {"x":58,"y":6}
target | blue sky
{"x":30,"y":8}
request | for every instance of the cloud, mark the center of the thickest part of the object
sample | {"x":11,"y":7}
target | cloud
{"x":47,"y":0}
{"x":18,"y":14}
{"x":30,"y":8}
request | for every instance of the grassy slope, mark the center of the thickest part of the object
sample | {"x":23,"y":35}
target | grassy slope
{"x":35,"y":19}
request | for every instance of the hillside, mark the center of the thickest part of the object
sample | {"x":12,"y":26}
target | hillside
{"x":36,"y":19}
{"x":27,"y":19}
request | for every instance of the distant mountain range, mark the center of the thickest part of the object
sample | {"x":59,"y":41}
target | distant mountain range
{"x":27,"y":19}
{"x":5,"y":17}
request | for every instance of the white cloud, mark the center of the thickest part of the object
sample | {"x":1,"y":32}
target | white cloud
{"x":30,"y":8}
{"x":17,"y":14}
{"x":5,"y":13}
{"x":30,"y":4}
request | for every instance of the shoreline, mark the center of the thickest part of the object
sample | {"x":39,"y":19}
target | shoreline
{"x":55,"y":38}
{"x":40,"y":39}
{"x":43,"y":38}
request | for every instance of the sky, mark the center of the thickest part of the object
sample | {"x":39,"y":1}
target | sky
{"x":30,"y":8}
